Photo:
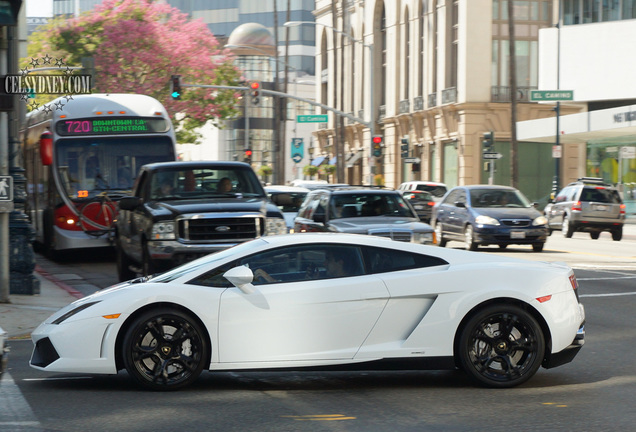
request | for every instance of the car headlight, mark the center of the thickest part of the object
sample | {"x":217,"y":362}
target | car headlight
{"x":486,"y":220}
{"x":541,"y":220}
{"x":163,"y":231}
{"x":275,"y":226}
{"x":74,"y":311}
{"x":425,"y":237}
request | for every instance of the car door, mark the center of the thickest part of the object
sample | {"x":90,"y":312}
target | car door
{"x":558,"y":209}
{"x":297,"y":318}
{"x":457,"y":213}
{"x":444,"y":210}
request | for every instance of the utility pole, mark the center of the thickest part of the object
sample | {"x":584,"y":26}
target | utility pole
{"x":514,"y":175}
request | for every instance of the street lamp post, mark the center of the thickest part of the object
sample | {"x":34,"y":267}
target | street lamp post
{"x":370,"y":84}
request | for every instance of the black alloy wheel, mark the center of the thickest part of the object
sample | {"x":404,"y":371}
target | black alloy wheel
{"x":501,"y":346}
{"x":165,"y":349}
{"x":566,"y":227}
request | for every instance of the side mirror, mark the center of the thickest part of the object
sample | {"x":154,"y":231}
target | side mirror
{"x":320,"y":217}
{"x":535,"y":204}
{"x":129,"y":203}
{"x":46,"y":148}
{"x":460,"y":204}
{"x":241,"y":277}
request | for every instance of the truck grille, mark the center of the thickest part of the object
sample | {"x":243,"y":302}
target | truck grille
{"x":220,"y":229}
{"x":397,"y":235}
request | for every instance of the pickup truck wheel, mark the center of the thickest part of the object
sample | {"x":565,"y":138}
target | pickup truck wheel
{"x":123,"y":265}
{"x":148,"y":267}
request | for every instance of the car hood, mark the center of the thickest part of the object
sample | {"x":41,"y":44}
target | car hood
{"x":508,"y":213}
{"x":223,"y":205}
{"x":355,"y":225}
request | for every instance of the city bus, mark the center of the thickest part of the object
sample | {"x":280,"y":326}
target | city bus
{"x":81,"y":156}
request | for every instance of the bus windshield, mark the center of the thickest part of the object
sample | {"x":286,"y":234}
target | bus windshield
{"x":88,"y":166}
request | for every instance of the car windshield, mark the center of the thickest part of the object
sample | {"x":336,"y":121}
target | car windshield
{"x":498,"y":198}
{"x":204,"y":183}
{"x":601,"y":195}
{"x":435,"y":190}
{"x":368,"y":204}
{"x":288,"y":201}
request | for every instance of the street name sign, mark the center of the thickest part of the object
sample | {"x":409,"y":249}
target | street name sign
{"x":492,"y":155}
{"x":551,"y":95}
{"x":316,"y":118}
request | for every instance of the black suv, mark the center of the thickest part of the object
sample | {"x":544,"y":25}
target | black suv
{"x":180,"y":211}
{"x":588,"y":205}
{"x":362,"y":210}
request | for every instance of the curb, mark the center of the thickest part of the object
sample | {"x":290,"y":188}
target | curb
{"x":46,"y":275}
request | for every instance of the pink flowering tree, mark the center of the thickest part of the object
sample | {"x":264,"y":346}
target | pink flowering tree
{"x":136,"y":46}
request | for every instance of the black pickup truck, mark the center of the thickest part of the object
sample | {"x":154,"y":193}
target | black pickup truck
{"x":180,"y":211}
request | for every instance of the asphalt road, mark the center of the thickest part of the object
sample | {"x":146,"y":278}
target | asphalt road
{"x":595,"y":392}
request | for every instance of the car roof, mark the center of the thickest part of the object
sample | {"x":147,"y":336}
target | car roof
{"x":285,"y":188}
{"x":430,"y":183}
{"x":197,"y":164}
{"x":349,"y":190}
{"x":485,"y":186}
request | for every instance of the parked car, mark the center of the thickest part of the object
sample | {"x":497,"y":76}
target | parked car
{"x":396,"y":305}
{"x":422,"y":202}
{"x":588,"y":205}
{"x":481,"y":215}
{"x":438,"y":190}
{"x":180,"y":211}
{"x":362,"y":210}
{"x":288,"y":199}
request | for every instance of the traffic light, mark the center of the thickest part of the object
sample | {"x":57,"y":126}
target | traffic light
{"x":488,"y":141}
{"x":255,"y":92}
{"x":377,"y":145}
{"x":247,"y":156}
{"x":405,"y":147}
{"x":175,"y":82}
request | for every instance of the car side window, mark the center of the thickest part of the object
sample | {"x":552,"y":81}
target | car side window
{"x":380,"y":260}
{"x":452,"y":197}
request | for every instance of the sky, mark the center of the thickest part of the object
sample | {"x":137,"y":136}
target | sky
{"x":39,"y":8}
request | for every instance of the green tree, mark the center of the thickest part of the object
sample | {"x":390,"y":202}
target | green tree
{"x":136,"y":46}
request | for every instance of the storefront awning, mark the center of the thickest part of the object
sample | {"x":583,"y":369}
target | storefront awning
{"x":318,"y":160}
{"x":333,"y":160}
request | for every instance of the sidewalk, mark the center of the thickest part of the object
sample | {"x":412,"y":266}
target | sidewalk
{"x":25,"y":312}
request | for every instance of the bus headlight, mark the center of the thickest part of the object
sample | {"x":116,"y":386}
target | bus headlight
{"x":163,"y":231}
{"x":275,"y":226}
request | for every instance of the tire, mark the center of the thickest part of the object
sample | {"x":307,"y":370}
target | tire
{"x":617,"y":234}
{"x":503,"y":246}
{"x":469,"y":238}
{"x":439,"y":233}
{"x":566,"y":227}
{"x":124,"y":272}
{"x":595,"y":235}
{"x":165,"y":349}
{"x":501,"y":346}
{"x":537,"y":247}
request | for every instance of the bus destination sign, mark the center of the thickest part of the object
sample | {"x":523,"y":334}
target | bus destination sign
{"x":111,"y":126}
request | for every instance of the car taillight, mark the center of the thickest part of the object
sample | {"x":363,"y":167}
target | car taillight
{"x":431,"y":203}
{"x":622,"y":208}
{"x":573,"y":282}
{"x":576,"y":206}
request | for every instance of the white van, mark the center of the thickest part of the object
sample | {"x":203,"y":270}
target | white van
{"x":436,"y":189}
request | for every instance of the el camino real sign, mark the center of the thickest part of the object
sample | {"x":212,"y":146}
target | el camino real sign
{"x":625,"y":117}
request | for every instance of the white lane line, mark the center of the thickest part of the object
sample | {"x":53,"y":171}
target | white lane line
{"x":606,"y":278}
{"x":15,"y":412}
{"x":56,"y":379}
{"x":608,"y":294}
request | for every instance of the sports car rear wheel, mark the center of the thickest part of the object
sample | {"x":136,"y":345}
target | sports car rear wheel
{"x":165,"y":349}
{"x":501,"y":346}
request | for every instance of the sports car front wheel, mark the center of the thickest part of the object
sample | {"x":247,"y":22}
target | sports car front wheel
{"x":165,"y":349}
{"x":501,"y":346}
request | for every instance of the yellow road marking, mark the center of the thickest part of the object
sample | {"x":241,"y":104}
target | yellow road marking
{"x":320,"y":417}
